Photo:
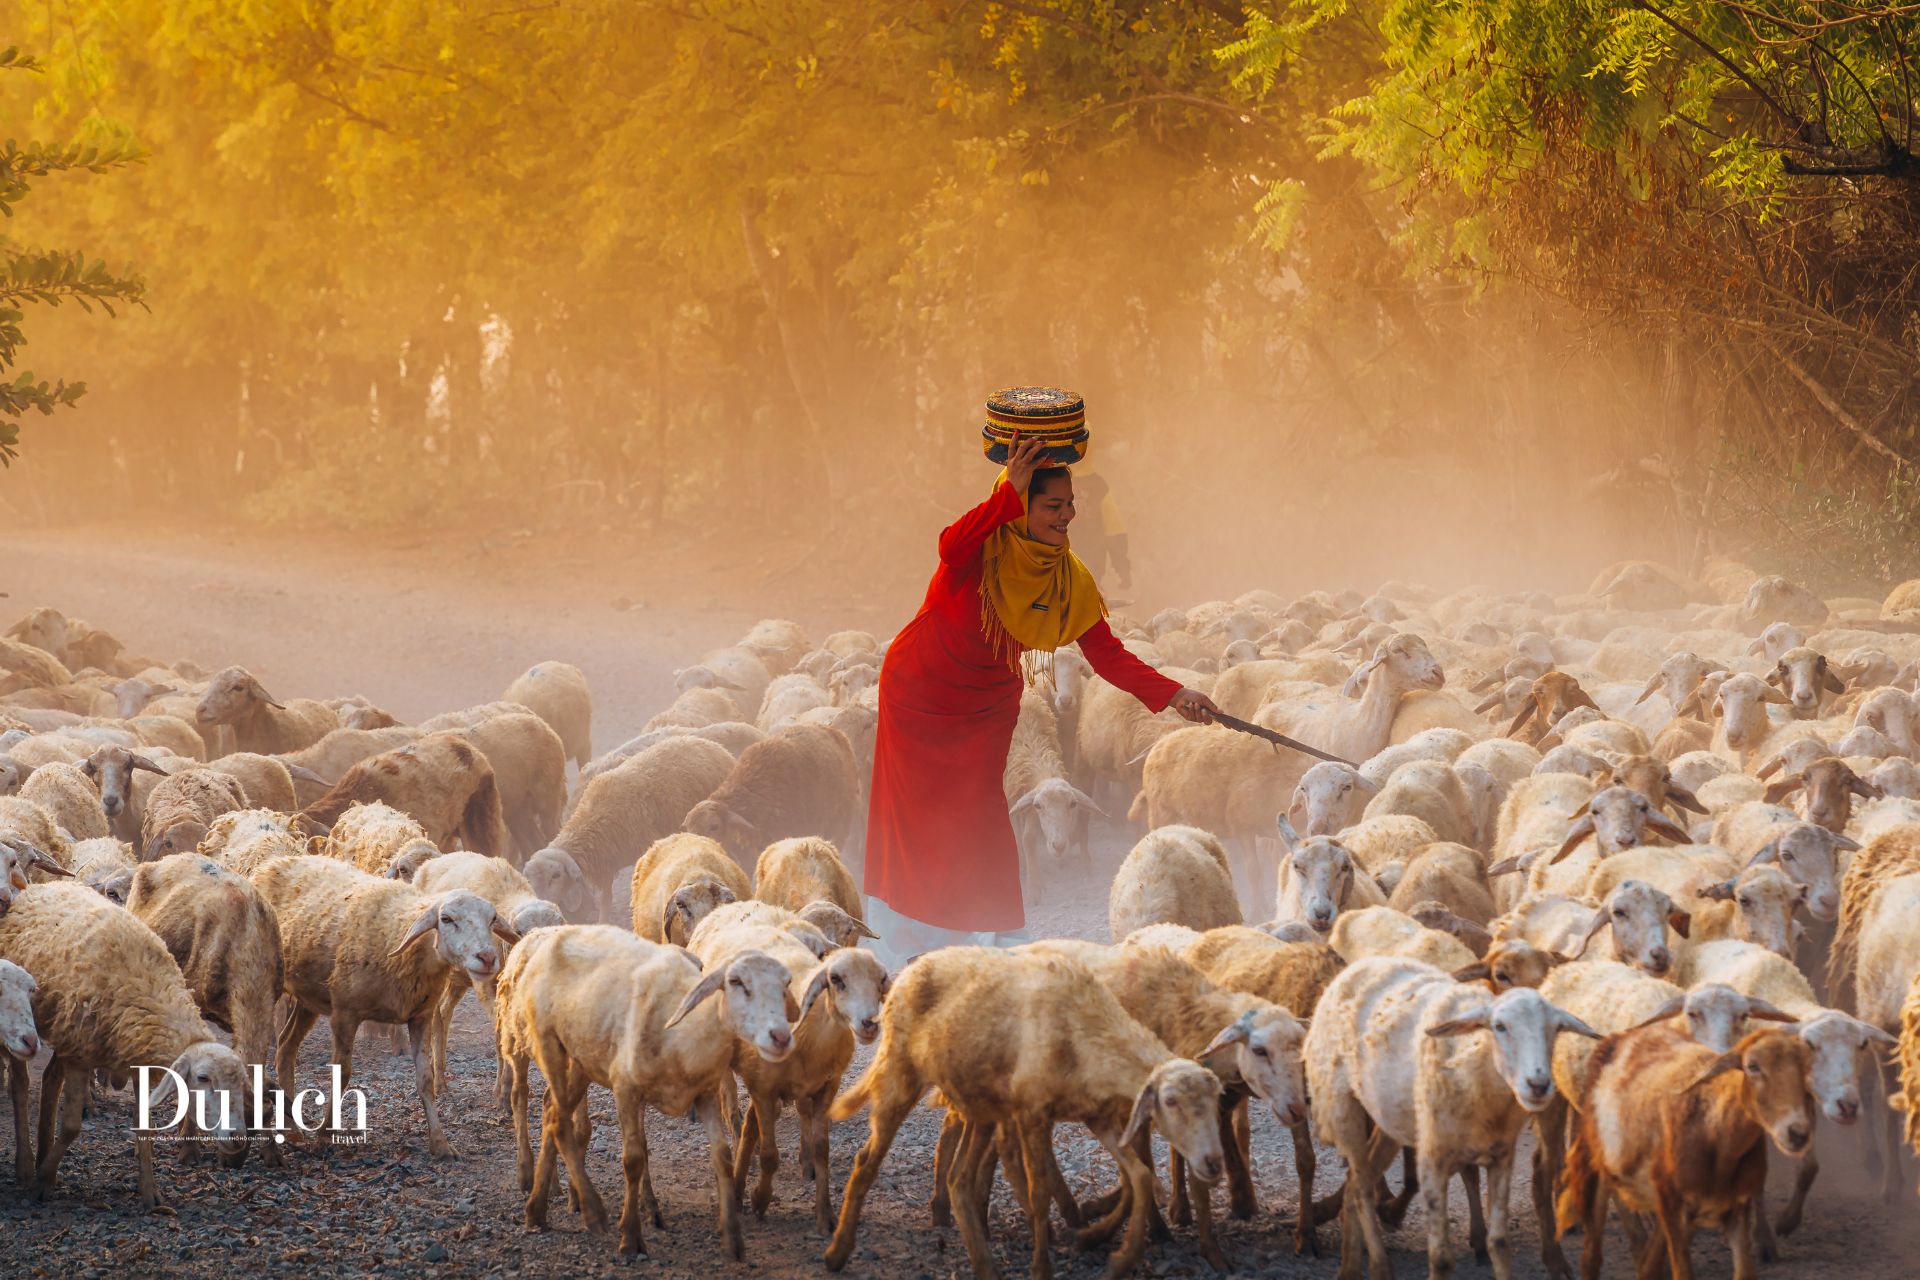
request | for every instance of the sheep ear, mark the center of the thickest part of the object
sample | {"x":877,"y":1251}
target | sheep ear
{"x":1720,"y":1066}
{"x":1779,"y":673}
{"x":1766,"y":1011}
{"x":1846,"y":842}
{"x":504,"y":931}
{"x":301,"y":773}
{"x":1565,"y":1021}
{"x":1507,"y":866}
{"x":1771,"y":767}
{"x":260,"y":692}
{"x":1759,"y":644}
{"x":1665,"y":1011}
{"x":1861,"y":787}
{"x":1873,"y":1034}
{"x":1599,"y":921}
{"x":1526,"y":714}
{"x":1235,"y":1032}
{"x":1492,"y":680}
{"x":708,"y":984}
{"x":791,"y":1006}
{"x":1476,"y":1020}
{"x":1021,"y":805}
{"x":1778,"y":791}
{"x":1776,"y":696}
{"x":1681,"y":922}
{"x":815,"y":985}
{"x":674,"y":907}
{"x":1768,"y":852}
{"x":1289,"y":838}
{"x":429,"y":922}
{"x":1479,"y":971}
{"x":1667,"y":827}
{"x":1491,"y":701}
{"x":1684,"y":798}
{"x":1653,"y":683}
{"x":1085,"y":801}
{"x":1142,"y":1114}
{"x":1575,"y":834}
{"x":1721,"y":892}
{"x":1830,"y":682}
{"x":698,"y":967}
{"x":141,"y":762}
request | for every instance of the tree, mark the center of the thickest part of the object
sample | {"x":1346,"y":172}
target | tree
{"x":46,"y":276}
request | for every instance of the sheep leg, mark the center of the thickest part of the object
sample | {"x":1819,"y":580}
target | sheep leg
{"x":1180,"y":1209}
{"x":1368,"y":1155}
{"x":51,"y":1082}
{"x":1394,"y":1211}
{"x":418,"y":1030}
{"x":1435,"y":1179}
{"x":1789,"y":1220}
{"x":1549,"y":1145}
{"x":1157,"y":1228}
{"x":707,"y":1108}
{"x":1063,"y":1194}
{"x":1036,"y":1140}
{"x":552,"y":1119}
{"x":1476,"y":1215}
{"x":1677,"y":1230}
{"x":1593,"y":1229}
{"x":441,"y":1026}
{"x":940,"y":1206}
{"x":1236,"y":1144}
{"x":1103,"y":1228}
{"x":1304,"y":1241}
{"x":768,"y":1112}
{"x":1740,"y":1235}
{"x":988,"y":1160}
{"x":1009,"y":1149}
{"x":1202,"y":1196}
{"x":293,"y":1034}
{"x":1890,"y":1189}
{"x":814,"y":1154}
{"x":19,"y":1083}
{"x":893,"y":1100}
{"x":1499,"y":1207}
{"x":633,"y":1163}
{"x":1759,"y":1230}
{"x":72,"y":1095}
{"x":519,"y":1087}
{"x":977,"y":1138}
{"x":1139,"y":1178}
{"x":747,"y":1143}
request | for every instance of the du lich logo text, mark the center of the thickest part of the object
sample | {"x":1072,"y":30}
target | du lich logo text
{"x":163,"y":1101}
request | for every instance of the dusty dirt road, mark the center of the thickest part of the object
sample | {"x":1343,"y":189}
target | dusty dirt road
{"x":422,"y":628}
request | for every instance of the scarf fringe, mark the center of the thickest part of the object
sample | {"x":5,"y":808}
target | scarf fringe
{"x":1033,"y":666}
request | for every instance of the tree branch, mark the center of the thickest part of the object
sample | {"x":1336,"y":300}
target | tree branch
{"x":1833,"y":407}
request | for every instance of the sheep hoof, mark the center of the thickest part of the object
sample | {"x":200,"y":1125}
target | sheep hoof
{"x":1305,"y":1243}
{"x":1787,"y":1223}
{"x":441,"y":1149}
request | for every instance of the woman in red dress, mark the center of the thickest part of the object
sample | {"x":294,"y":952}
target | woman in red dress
{"x":941,"y":863}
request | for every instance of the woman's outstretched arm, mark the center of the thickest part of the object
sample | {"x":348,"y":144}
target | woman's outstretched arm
{"x":1112,"y":662}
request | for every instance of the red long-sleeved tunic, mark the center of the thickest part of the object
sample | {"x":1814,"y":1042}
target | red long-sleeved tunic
{"x":940,"y":846}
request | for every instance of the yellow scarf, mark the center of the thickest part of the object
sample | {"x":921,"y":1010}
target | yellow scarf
{"x":1032,"y":595}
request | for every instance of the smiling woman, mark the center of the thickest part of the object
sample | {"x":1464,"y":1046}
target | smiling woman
{"x":942,"y":866}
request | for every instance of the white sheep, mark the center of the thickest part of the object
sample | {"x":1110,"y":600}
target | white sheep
{"x":1395,"y":1058}
{"x":357,"y":949}
{"x":593,"y":1004}
{"x":1173,"y":875}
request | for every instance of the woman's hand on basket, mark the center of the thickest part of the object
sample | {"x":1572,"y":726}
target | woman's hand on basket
{"x":1194,"y":705}
{"x":1024,"y":457}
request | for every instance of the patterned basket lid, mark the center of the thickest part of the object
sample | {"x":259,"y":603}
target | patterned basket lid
{"x":1056,"y":417}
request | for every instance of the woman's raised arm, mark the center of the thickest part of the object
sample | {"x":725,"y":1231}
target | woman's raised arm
{"x":960,"y":542}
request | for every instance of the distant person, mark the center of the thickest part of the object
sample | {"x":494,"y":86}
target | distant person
{"x":1100,"y":540}
{"x":942,"y":867}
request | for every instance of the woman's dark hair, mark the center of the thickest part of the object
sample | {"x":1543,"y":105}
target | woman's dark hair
{"x":1044,"y":477}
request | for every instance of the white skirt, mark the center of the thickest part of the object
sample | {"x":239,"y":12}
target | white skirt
{"x":902,"y":937}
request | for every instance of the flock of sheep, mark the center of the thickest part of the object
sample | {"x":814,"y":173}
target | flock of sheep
{"x":1635,"y":868}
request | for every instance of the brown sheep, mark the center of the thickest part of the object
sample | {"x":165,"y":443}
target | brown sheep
{"x":797,"y":782}
{"x":441,"y":782}
{"x":678,"y":882}
{"x":793,"y":873}
{"x":226,"y":940}
{"x":182,"y":806}
{"x":620,"y":815}
{"x":557,"y":692}
{"x":331,"y":757}
{"x":530,"y":770}
{"x":259,"y":723}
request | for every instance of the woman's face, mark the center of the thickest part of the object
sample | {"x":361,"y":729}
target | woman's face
{"x":1050,"y":512}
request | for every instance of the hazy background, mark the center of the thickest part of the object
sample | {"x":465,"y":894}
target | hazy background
{"x":1367,"y":291}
